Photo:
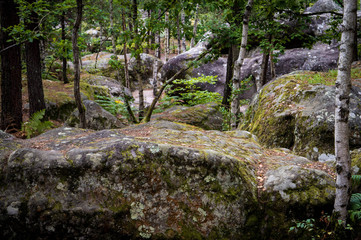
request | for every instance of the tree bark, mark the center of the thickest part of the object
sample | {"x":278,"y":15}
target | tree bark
{"x":227,"y":88}
{"x":183,"y":19}
{"x":343,"y":88}
{"x":193,"y":40}
{"x":63,"y":38}
{"x":76,"y":57}
{"x":167,"y":37}
{"x":179,"y":36}
{"x":111,"y":17}
{"x":138,"y":62}
{"x":33,"y":66}
{"x":126,"y":76}
{"x":11,"y":102}
{"x":264,"y":68}
{"x":238,"y":67}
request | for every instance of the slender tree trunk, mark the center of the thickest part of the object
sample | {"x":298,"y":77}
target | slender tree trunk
{"x":264,"y":68}
{"x":11,"y":102}
{"x":272,"y":66}
{"x":227,"y":86}
{"x":111,"y":17}
{"x":343,"y":88}
{"x":183,"y":19}
{"x":33,"y":67}
{"x":179,"y":36}
{"x":167,"y":37}
{"x":138,"y":62}
{"x":157,"y":41}
{"x":193,"y":40}
{"x":238,"y":66}
{"x":77,"y":96}
{"x":63,"y":38}
{"x":126,"y":67}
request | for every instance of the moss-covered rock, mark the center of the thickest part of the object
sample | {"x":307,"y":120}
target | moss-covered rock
{"x":291,"y":113}
{"x":206,"y":116}
{"x":160,"y":180}
{"x":95,"y":116}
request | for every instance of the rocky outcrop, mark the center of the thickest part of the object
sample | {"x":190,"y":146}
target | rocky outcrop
{"x":291,"y":113}
{"x":206,"y":116}
{"x":159,"y":180}
{"x":96,"y":117}
{"x":91,"y":64}
{"x":321,"y":57}
{"x":114,"y":86}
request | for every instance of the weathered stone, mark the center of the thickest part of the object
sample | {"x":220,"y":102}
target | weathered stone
{"x":96,"y":117}
{"x":102,"y":64}
{"x":206,"y":116}
{"x":160,"y":180}
{"x":291,"y":113}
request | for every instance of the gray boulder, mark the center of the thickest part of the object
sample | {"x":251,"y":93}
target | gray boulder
{"x":323,"y":6}
{"x":206,"y":116}
{"x":321,"y":57}
{"x":114,"y":86}
{"x":96,"y":117}
{"x":159,"y":180}
{"x":291,"y":113}
{"x":102,"y":64}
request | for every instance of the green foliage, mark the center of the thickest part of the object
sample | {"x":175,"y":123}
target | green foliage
{"x":188,"y":93}
{"x":115,"y":106}
{"x":355,"y":200}
{"x":35,"y":125}
{"x":323,"y":228}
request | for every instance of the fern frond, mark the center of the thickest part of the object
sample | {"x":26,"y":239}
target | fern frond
{"x":356,"y":180}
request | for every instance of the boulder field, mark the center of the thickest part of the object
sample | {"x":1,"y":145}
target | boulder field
{"x":160,"y":180}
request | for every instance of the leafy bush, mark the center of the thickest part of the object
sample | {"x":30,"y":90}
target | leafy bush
{"x":186,"y":91}
{"x":115,"y":106}
{"x":35,"y":125}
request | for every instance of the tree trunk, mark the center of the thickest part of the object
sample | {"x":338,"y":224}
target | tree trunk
{"x":63,"y":38}
{"x":343,"y":88}
{"x":11,"y":102}
{"x":227,"y":88}
{"x":157,"y":40}
{"x":238,"y":66}
{"x":179,"y":36}
{"x":193,"y":40}
{"x":111,"y":17}
{"x":183,"y":19}
{"x":272,"y":66}
{"x":33,"y":67}
{"x":167,"y":37}
{"x":77,"y":96}
{"x":263,"y":74}
{"x":138,"y":62}
{"x":126,"y":75}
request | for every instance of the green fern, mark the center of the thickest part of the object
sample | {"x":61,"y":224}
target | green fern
{"x":355,"y":200}
{"x":356,"y":180}
{"x":35,"y":125}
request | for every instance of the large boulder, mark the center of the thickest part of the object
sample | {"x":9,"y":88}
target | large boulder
{"x":96,"y":117}
{"x":206,"y":116}
{"x":217,"y":67}
{"x":321,"y":57}
{"x":291,"y":113}
{"x":159,"y":180}
{"x":93,"y":64}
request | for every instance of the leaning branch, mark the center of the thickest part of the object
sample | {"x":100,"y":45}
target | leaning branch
{"x":169,"y":81}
